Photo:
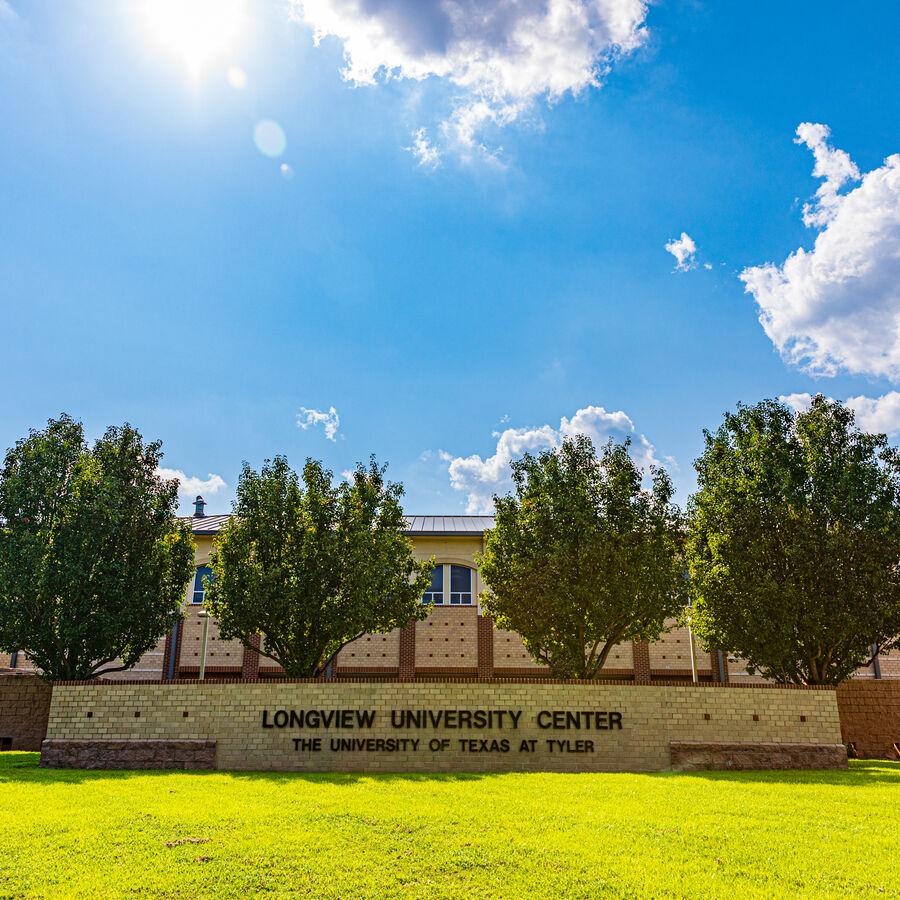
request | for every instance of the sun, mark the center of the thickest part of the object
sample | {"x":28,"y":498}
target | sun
{"x":195,"y":31}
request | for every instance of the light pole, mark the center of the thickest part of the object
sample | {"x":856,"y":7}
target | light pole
{"x":205,"y":616}
{"x":690,"y":632}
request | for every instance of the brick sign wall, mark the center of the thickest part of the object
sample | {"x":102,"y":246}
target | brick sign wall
{"x":24,"y":708}
{"x":441,"y":726}
{"x":870,"y":717}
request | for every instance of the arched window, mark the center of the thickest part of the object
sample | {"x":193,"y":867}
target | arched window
{"x":460,"y":586}
{"x":460,"y":580}
{"x":199,"y":587}
{"x":435,"y":591}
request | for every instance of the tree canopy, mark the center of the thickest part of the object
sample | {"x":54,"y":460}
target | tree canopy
{"x":312,"y":565}
{"x":795,"y":541}
{"x":582,"y":557}
{"x":93,"y":562}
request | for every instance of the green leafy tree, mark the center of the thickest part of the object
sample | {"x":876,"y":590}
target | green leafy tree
{"x":313,"y":566}
{"x":93,"y":562}
{"x":795,"y":540}
{"x":582,"y":557}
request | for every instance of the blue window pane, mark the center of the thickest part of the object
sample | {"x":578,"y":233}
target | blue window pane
{"x":460,"y":586}
{"x":435,"y":591}
{"x":460,"y":579}
{"x":203,"y":572}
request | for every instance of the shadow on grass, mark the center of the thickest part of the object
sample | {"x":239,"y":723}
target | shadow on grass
{"x":859,"y":774}
{"x":22,"y":768}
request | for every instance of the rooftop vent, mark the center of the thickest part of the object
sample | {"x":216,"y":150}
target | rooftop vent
{"x":199,"y":506}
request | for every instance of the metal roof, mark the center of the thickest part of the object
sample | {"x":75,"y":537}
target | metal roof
{"x":424,"y":525}
{"x":206,"y":524}
{"x":440,"y":525}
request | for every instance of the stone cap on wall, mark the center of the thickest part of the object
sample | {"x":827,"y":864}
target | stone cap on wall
{"x":467,"y":679}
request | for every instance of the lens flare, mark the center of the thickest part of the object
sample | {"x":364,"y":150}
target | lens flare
{"x":269,"y":138}
{"x":196,"y":31}
{"x":237,"y":77}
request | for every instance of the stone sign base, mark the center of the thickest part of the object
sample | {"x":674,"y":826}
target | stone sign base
{"x":128,"y":754}
{"x":451,"y":726}
{"x":695,"y":756}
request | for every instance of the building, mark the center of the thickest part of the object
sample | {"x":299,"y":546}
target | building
{"x":455,"y":639}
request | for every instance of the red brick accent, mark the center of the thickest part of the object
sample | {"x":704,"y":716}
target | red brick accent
{"x":192,"y":673}
{"x":24,"y":710}
{"x":697,"y":756}
{"x":250,"y":663}
{"x":271,"y":671}
{"x":680,"y":675}
{"x":714,"y":667}
{"x":523,"y":672}
{"x":485,"y":647}
{"x":641,"y":657}
{"x":407,"y":669}
{"x":870,"y":716}
{"x":128,"y":754}
{"x":344,"y":671}
{"x":446,"y":673}
{"x":277,"y":674}
{"x":178,"y":642}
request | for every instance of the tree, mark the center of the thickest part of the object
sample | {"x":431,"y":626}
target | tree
{"x":93,"y":562}
{"x":795,"y":540}
{"x":314,"y":566}
{"x":581,"y":557}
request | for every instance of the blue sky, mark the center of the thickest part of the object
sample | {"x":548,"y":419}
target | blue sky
{"x":463,"y":260}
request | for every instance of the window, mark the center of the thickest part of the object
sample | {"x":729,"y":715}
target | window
{"x":199,"y":587}
{"x":435,"y":590}
{"x":460,"y":586}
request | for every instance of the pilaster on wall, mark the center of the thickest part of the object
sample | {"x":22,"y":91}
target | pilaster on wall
{"x":167,"y":656}
{"x":641,"y":657}
{"x":172,"y":648}
{"x":250,"y":662}
{"x":485,"y":648}
{"x":407,"y":662}
{"x":714,"y":667}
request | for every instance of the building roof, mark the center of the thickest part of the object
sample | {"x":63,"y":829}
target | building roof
{"x":206,"y":524}
{"x":422,"y":525}
{"x":441,"y":525}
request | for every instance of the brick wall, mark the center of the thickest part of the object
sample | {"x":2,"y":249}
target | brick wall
{"x":640,"y":655}
{"x":652,"y":719}
{"x":221,"y":656}
{"x":870,"y":716}
{"x":24,"y":709}
{"x":671,"y":654}
{"x":510,"y":654}
{"x":373,"y":651}
{"x":448,"y":638}
{"x":149,"y":667}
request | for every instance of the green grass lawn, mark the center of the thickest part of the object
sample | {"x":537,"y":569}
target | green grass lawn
{"x":73,"y":834}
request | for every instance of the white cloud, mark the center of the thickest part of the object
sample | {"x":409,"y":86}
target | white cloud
{"x":479,"y":479}
{"x":190,"y":486}
{"x":7,"y":12}
{"x":877,"y":415}
{"x":308,"y":418}
{"x":837,"y":306}
{"x":424,"y":151}
{"x":835,"y":166}
{"x":501,"y":56}
{"x":797,"y":402}
{"x":684,"y":250}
